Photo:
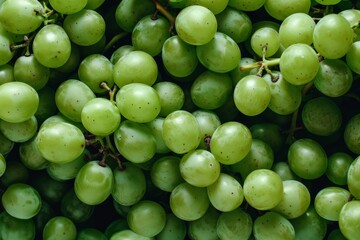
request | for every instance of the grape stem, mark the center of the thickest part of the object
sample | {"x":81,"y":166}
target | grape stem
{"x":264,"y":64}
{"x":111,"y":91}
{"x":162,"y":9}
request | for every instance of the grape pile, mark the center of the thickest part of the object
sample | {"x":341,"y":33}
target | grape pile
{"x":179,"y":119}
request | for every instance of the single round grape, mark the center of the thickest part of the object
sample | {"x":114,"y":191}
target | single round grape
{"x":21,"y":201}
{"x":352,"y":179}
{"x":52,"y":46}
{"x":156,"y":127}
{"x":165,"y":173}
{"x":172,"y":97}
{"x":246,"y":5}
{"x":284,"y":171}
{"x":352,"y":133}
{"x":6,"y":73}
{"x":338,"y":41}
{"x":352,"y":15}
{"x":94,"y":4}
{"x":175,"y":228}
{"x":59,"y":227}
{"x":2,"y":164}
{"x":349,"y":219}
{"x":196,"y":24}
{"x":338,"y":167}
{"x":19,"y":102}
{"x":281,"y":9}
{"x":265,"y":41}
{"x":19,"y":132}
{"x":231,"y":142}
{"x":204,"y":227}
{"x":352,"y":55}
{"x":208,"y":122}
{"x":328,"y":2}
{"x":85,"y":27}
{"x":126,"y":70}
{"x":68,"y":7}
{"x":90,"y":234}
{"x":236,"y":224}
{"x":30,"y":155}
{"x":221,"y":54}
{"x":272,"y":225}
{"x":263,"y":189}
{"x":6,"y":41}
{"x":215,"y":7}
{"x":15,"y":228}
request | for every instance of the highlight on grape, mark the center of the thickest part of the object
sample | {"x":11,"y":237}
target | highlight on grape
{"x":179,"y":119}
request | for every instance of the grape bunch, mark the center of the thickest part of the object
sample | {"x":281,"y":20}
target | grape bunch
{"x":179,"y":119}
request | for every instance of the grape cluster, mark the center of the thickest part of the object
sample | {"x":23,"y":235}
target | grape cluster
{"x":179,"y":119}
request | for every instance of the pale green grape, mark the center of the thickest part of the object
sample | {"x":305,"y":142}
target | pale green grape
{"x":19,"y":132}
{"x":6,"y":54}
{"x":2,"y":164}
{"x":281,"y":9}
{"x":338,"y":167}
{"x":204,"y":228}
{"x":284,"y":171}
{"x":231,"y":142}
{"x":60,"y":142}
{"x":299,"y":64}
{"x":272,"y":226}
{"x":353,"y":182}
{"x":196,"y":25}
{"x":214,"y":6}
{"x":352,"y":133}
{"x":349,"y":220}
{"x":265,"y":41}
{"x":208,"y":122}
{"x":135,"y":141}
{"x":52,"y":46}
{"x":181,"y":131}
{"x":15,"y":228}
{"x":174,"y":228}
{"x":263,"y":189}
{"x":30,"y":155}
{"x":221,"y":54}
{"x":332,"y":36}
{"x":246,"y":5}
{"x":129,"y":184}
{"x":328,"y":2}
{"x":19,"y":102}
{"x":85,"y":27}
{"x":6,"y":73}
{"x":156,"y":127}
{"x":352,"y":16}
{"x":68,"y":7}
{"x":126,"y":69}
{"x":199,"y":168}
{"x":352,"y":55}
{"x":236,"y":224}
{"x":172,"y":97}
{"x":59,"y":227}
{"x":296,"y":28}
{"x":226,"y":193}
{"x":188,"y":202}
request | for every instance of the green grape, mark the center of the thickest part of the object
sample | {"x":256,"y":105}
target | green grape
{"x":261,"y":156}
{"x":6,"y":73}
{"x":285,"y":97}
{"x":129,"y":12}
{"x":135,"y":141}
{"x":74,"y":209}
{"x":94,"y":4}
{"x":149,"y":34}
{"x":281,"y":9}
{"x":338,"y":34}
{"x":352,"y":133}
{"x":231,"y":142}
{"x":234,"y":23}
{"x":299,"y":64}
{"x":352,"y":55}
{"x":217,"y":85}
{"x":165,"y":173}
{"x":19,"y":132}
{"x":156,"y":127}
{"x":6,"y":145}
{"x":94,"y":70}
{"x":60,"y":142}
{"x":321,"y":116}
{"x":15,"y":228}
{"x":284,"y":171}
{"x":47,"y":106}
{"x":328,"y":2}
{"x":334,"y":78}
{"x":129,"y":184}
{"x":120,"y":52}
{"x":349,"y":219}
{"x":179,"y":58}
{"x":226,"y":193}
{"x":126,"y":69}
{"x":263,"y":189}
{"x":172,"y":97}
{"x":196,"y":24}
{"x":30,"y":155}
{"x":61,"y":118}
{"x":272,"y":225}
{"x":307,"y":158}
{"x":128,"y":235}
{"x":6,"y":41}
{"x":85,"y":27}
{"x":338,"y":167}
{"x":296,"y":28}
{"x":90,"y":234}
{"x":352,"y":16}
{"x":21,"y":201}
{"x":52,"y":46}
{"x":188,"y":202}
{"x":2,"y":164}
{"x":238,"y":73}
{"x":100,"y":116}
{"x":208,"y":122}
{"x":336,"y":234}
{"x":352,"y":178}
{"x":181,"y":131}
{"x":68,"y":7}
{"x":59,"y":227}
{"x":246,"y":5}
{"x":270,"y":133}
{"x":21,"y":16}
{"x":71,"y":97}
{"x":221,"y":54}
{"x":252,"y":95}
{"x":216,"y":7}
{"x":94,"y":178}
{"x":204,"y":228}
{"x":174,"y":228}
{"x":236,"y":224}
{"x":19,"y":102}
{"x":199,"y":168}
{"x":265,"y":41}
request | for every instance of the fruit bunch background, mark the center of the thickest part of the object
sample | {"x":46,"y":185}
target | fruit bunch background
{"x":179,"y":119}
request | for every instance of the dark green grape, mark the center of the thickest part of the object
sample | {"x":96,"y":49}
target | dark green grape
{"x":90,"y":234}
{"x":338,"y":166}
{"x":15,"y":228}
{"x":204,"y":227}
{"x":352,"y":133}
{"x":59,"y":227}
{"x":73,"y":208}
{"x":174,"y":228}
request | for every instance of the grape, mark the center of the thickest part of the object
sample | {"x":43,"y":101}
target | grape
{"x":270,"y":133}
{"x":273,"y":225}
{"x":252,"y":95}
{"x":128,"y":234}
{"x":6,"y":73}
{"x":281,"y":9}
{"x":171,"y":95}
{"x":221,"y":54}
{"x":6,"y":41}
{"x":246,"y":5}
{"x":85,"y":27}
{"x":328,"y":2}
{"x":336,"y":234}
{"x":94,"y":4}
{"x":15,"y":228}
{"x":120,"y":52}
{"x":352,"y":179}
{"x":47,"y":106}
{"x":352,"y":133}
{"x":21,"y":201}
{"x":352,"y":16}
{"x":352,"y":54}
{"x":90,"y":234}
{"x":21,"y":16}
{"x":204,"y":227}
{"x":19,"y":102}
{"x":349,"y":219}
{"x":156,"y":127}
{"x":174,"y":228}
{"x":208,"y":122}
{"x":231,"y":142}
{"x":337,"y":43}
{"x":30,"y":155}
{"x":2,"y":164}
{"x":147,"y":218}
{"x":299,"y":64}
{"x":60,"y":142}
{"x":19,"y":132}
{"x":52,"y":46}
{"x":68,"y":7}
{"x":215,"y":7}
{"x":265,"y":41}
{"x":284,"y":171}
{"x":338,"y":166}
{"x":196,"y":25}
{"x":59,"y":227}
